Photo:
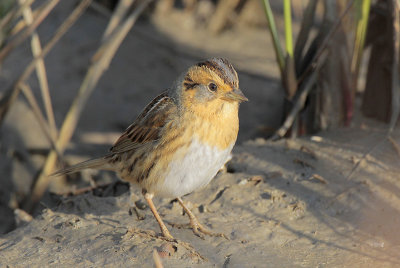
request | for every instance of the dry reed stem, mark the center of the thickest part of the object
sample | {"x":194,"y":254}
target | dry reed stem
{"x":11,"y":94}
{"x":119,"y":13}
{"x":8,"y":18}
{"x":223,"y":10}
{"x":14,"y":13}
{"x":45,"y":10}
{"x":102,"y":10}
{"x":41,"y":72}
{"x":100,"y":63}
{"x":39,"y":116}
{"x":21,"y":24}
{"x":309,"y":72}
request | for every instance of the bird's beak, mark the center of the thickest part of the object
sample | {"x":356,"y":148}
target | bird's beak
{"x":235,"y":95}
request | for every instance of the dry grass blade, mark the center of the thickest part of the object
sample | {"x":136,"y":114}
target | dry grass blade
{"x":39,"y":116}
{"x":99,"y":65}
{"x":7,"y":17}
{"x":11,"y":94}
{"x":101,"y":9}
{"x":118,"y":15}
{"x":7,"y":100}
{"x":45,"y":10}
{"x":41,"y":72}
{"x":13,"y":14}
{"x":223,"y":10}
{"x":21,"y":24}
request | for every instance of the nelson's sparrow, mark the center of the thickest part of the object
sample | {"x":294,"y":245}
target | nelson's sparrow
{"x":181,"y":139}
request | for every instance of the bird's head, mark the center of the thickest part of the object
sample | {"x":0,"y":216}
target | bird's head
{"x":209,"y":85}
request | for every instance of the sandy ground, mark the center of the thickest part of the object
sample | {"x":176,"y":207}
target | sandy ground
{"x":275,"y":211}
{"x":325,"y":201}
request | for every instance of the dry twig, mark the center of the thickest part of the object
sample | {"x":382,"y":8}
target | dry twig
{"x":11,"y":94}
{"x":8,"y":19}
{"x":39,"y":116}
{"x":119,"y":13}
{"x":318,"y":178}
{"x":41,"y":71}
{"x":45,"y":10}
{"x":100,"y":63}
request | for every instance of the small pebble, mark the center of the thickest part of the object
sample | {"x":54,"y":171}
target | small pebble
{"x":243,"y":182}
{"x":166,"y":250}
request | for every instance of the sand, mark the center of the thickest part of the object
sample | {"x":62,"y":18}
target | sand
{"x":329,"y":200}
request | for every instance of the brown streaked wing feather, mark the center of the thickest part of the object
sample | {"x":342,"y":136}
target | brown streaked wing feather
{"x":147,"y":126}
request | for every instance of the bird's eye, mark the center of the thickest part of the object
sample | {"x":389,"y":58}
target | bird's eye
{"x":212,"y":86}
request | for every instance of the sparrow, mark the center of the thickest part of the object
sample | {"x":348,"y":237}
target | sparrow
{"x":180,"y":140}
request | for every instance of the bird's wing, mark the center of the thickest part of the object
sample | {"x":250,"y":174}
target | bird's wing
{"x":148,"y":126}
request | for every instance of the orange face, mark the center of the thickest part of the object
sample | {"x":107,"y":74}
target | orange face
{"x":207,"y":88}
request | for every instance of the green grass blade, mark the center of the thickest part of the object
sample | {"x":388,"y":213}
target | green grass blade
{"x":363,"y":7}
{"x":280,"y":58}
{"x":288,"y":27}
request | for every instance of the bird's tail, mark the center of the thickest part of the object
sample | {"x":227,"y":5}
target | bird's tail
{"x":98,"y":163}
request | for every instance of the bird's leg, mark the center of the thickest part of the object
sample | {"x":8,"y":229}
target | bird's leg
{"x":163,"y":228}
{"x":197,"y":228}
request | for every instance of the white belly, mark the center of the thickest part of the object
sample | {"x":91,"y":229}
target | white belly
{"x":195,"y":170}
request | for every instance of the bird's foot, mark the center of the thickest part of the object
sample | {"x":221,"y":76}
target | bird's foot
{"x":198,"y":229}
